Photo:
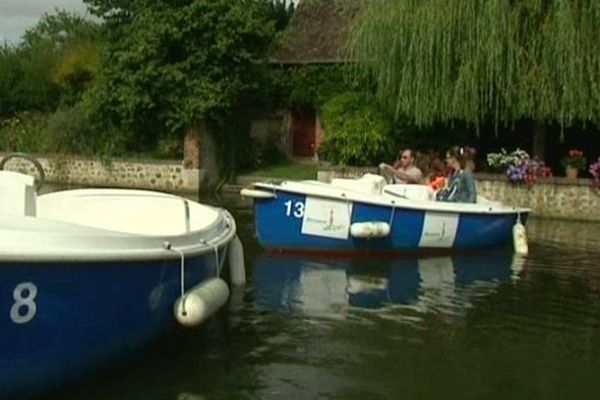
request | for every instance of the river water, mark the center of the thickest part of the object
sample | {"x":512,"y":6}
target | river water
{"x":477,"y":326}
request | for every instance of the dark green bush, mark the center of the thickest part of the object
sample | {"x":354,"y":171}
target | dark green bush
{"x":356,"y":131}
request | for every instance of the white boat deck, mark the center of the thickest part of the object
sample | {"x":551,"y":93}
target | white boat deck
{"x":370,"y":190}
{"x":135,"y":212}
{"x":104,"y":224}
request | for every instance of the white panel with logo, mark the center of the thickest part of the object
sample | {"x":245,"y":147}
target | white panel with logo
{"x":439,"y":230}
{"x":326,"y":218}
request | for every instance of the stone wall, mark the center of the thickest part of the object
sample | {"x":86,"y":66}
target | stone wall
{"x":167,"y":175}
{"x":560,"y":198}
{"x":573,"y":199}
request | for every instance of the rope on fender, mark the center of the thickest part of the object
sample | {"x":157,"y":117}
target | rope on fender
{"x":168,"y":247}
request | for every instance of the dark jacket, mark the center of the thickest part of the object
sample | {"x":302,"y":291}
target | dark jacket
{"x":460,"y":189}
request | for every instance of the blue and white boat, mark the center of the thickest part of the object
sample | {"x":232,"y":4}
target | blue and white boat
{"x":366,"y":215}
{"x":88,"y":276}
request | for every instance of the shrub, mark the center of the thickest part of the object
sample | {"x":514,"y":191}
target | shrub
{"x":356,"y":130}
{"x":66,"y":131}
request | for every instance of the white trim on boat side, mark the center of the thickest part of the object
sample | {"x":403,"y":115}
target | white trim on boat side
{"x":324,"y":190}
{"x":97,"y":225}
{"x":29,"y":239}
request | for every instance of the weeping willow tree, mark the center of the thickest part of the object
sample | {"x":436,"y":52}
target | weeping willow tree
{"x":483,"y":60}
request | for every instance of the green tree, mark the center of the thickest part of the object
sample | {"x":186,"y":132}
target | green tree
{"x":59,"y":30}
{"x":484,"y":60}
{"x":72,"y":44}
{"x":172,"y":64}
{"x":27,"y":69}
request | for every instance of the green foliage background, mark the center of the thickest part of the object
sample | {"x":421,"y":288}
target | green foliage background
{"x":358,"y":133}
{"x":446,"y":72}
{"x":42,"y":80}
{"x":313,"y":85}
{"x":176,"y":65}
{"x":137,"y":80}
{"x":483,"y":60}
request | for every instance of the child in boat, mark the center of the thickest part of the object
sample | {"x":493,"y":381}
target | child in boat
{"x":461,"y":186}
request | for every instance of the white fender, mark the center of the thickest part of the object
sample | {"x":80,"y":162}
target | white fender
{"x":520,"y":239}
{"x":201,"y":301}
{"x":257,"y":194}
{"x":375,"y":229}
{"x":237,"y":270}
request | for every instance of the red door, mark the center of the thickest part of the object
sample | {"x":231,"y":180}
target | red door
{"x":303,"y":131}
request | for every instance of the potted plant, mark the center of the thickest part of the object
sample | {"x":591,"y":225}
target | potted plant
{"x":573,"y":162}
{"x":500,"y":161}
{"x":527,"y":170}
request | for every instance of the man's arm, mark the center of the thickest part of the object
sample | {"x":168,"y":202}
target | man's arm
{"x":409,"y":178}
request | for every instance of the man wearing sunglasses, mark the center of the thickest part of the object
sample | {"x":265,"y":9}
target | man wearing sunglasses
{"x":404,"y":170}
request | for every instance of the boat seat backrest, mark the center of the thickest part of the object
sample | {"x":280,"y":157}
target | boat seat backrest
{"x":17,"y":194}
{"x":410,"y":191}
{"x":368,"y":183}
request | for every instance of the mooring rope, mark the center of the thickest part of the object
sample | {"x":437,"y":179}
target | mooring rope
{"x":392,"y":215}
{"x":216,"y":250}
{"x":182,"y":273}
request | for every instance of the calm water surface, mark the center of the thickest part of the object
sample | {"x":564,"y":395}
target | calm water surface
{"x":478,"y":326}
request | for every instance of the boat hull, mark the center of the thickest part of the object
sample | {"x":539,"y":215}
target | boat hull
{"x":281,"y":223}
{"x":63,"y":321}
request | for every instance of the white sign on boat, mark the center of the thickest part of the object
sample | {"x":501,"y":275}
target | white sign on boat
{"x":326,"y":218}
{"x":439,"y":230}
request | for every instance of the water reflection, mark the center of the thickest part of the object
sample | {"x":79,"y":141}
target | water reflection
{"x":334,"y":287}
{"x":563,"y":235}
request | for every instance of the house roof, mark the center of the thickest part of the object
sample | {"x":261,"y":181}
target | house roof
{"x":317,"y":32}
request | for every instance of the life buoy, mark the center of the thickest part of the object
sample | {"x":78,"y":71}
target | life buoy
{"x":438,"y":183}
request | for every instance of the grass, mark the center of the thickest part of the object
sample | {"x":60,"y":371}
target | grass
{"x":288,"y":171}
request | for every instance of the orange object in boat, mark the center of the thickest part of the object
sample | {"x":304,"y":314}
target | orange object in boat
{"x":438,"y":183}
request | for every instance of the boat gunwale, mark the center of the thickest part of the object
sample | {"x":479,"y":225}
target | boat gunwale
{"x":358,"y":197}
{"x":147,"y":248}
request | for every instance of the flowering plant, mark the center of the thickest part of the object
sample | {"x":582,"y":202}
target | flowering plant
{"x":574,"y":159}
{"x":595,"y":171}
{"x":528,"y":170}
{"x":503,"y":159}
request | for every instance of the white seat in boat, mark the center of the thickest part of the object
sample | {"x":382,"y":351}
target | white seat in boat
{"x":410,"y":191}
{"x":138,"y":212}
{"x":17,"y":194}
{"x":368,"y":183}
